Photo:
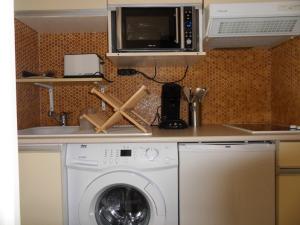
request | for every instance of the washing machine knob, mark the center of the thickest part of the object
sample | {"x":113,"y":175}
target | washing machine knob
{"x":151,"y":153}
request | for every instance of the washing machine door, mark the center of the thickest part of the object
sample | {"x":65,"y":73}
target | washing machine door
{"x":122,"y":198}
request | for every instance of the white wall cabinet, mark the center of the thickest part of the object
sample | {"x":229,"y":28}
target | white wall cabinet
{"x":59,"y":5}
{"x":288,"y":184}
{"x":41,"y":199}
{"x":63,"y":16}
{"x":153,"y":2}
{"x":206,"y":2}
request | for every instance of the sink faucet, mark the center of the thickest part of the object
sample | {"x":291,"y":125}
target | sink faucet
{"x":61,"y":118}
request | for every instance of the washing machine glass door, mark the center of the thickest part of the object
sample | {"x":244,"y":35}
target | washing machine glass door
{"x":122,"y":198}
{"x":122,"y":205}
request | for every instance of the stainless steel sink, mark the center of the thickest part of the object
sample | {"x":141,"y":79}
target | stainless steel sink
{"x":52,"y":131}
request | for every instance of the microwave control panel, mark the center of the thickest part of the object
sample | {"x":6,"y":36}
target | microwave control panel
{"x":188,"y":13}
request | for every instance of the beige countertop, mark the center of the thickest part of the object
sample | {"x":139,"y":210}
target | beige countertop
{"x":203,"y":133}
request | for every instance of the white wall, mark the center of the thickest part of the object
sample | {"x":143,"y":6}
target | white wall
{"x":9,"y":188}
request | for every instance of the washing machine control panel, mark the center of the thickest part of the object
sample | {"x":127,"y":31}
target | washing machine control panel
{"x":138,"y":155}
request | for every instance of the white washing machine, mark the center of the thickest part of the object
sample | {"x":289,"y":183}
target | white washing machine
{"x":122,"y":184}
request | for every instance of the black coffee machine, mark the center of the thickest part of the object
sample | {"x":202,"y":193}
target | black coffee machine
{"x":170,"y":107}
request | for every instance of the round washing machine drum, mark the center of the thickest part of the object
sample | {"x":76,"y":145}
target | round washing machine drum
{"x":122,"y":204}
{"x":122,"y":198}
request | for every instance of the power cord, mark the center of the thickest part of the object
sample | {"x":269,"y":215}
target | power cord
{"x":163,"y":82}
{"x":155,"y":73}
{"x":130,"y":72}
{"x":103,"y":77}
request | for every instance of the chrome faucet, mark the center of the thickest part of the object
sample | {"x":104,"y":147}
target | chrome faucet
{"x":61,"y":118}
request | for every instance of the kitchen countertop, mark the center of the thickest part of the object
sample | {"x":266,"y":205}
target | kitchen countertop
{"x":203,"y":133}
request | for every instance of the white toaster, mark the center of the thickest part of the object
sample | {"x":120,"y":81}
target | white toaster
{"x":84,"y":65}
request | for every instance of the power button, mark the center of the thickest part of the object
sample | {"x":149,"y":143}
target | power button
{"x":152,"y":154}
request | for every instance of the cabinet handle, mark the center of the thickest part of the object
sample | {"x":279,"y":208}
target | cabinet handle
{"x":284,"y":171}
{"x":177,"y":26}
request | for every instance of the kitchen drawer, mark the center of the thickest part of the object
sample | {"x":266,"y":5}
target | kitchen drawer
{"x":289,"y":155}
{"x":288,"y":199}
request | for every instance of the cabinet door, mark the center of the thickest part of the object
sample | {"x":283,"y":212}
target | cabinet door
{"x":159,"y":2}
{"x":229,"y":187}
{"x":40,"y":185}
{"x":206,"y":2}
{"x":289,"y":199}
{"x":289,"y":155}
{"x":59,"y":5}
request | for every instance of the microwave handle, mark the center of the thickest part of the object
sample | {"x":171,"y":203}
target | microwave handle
{"x":119,"y":28}
{"x":177,"y":25}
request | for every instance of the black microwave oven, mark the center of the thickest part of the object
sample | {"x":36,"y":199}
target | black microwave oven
{"x":153,"y":29}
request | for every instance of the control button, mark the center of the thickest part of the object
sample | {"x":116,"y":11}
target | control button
{"x":151,"y":154}
{"x":188,"y":41}
{"x":188,"y":24}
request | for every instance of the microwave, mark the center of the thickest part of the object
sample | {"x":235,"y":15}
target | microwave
{"x":151,"y":29}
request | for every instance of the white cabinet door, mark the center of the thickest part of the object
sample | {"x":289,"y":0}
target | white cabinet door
{"x":21,"y":5}
{"x":289,"y":199}
{"x":227,"y":187}
{"x":206,"y":2}
{"x":159,"y":2}
{"x":41,"y":185}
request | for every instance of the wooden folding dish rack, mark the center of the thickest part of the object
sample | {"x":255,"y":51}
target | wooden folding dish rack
{"x":103,"y":122}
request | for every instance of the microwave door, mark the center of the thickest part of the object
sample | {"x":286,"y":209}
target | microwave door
{"x":148,"y":29}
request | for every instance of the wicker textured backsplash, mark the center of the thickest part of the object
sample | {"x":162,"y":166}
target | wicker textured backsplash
{"x":286,"y":83}
{"x":239,"y":80}
{"x":28,"y":97}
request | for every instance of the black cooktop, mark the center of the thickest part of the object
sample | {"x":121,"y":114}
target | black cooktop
{"x":264,"y":128}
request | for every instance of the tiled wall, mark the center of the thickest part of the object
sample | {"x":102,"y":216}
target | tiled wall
{"x":28,"y":99}
{"x":286,"y":83}
{"x":239,"y":81}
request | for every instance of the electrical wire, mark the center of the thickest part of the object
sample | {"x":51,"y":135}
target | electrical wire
{"x":163,"y":82}
{"x":101,"y":75}
{"x":155,"y":73}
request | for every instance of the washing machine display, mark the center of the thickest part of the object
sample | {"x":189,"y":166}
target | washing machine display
{"x":122,"y":184}
{"x":122,"y":205}
{"x":125,"y":152}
